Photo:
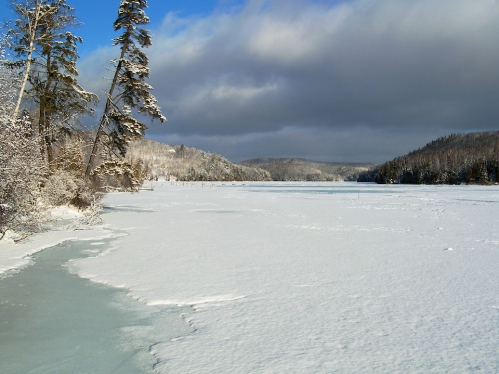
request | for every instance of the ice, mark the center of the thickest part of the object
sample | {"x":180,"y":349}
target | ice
{"x":17,"y":256}
{"x":311,"y":278}
{"x":54,"y":322}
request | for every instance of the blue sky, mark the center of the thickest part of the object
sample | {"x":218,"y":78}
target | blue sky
{"x":97,"y":16}
{"x":97,"y":28}
{"x":356,"y":80}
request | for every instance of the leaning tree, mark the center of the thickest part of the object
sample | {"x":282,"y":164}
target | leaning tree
{"x":127,"y":94}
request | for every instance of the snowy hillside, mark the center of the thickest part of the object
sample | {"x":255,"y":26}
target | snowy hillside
{"x":162,"y":161}
{"x":458,"y":158}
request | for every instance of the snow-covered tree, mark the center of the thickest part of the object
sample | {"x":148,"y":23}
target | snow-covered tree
{"x":128,"y":92}
{"x":33,"y":16}
{"x":21,"y":165}
{"x":48,"y":53}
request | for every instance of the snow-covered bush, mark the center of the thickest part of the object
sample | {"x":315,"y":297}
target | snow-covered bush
{"x":21,"y":171}
{"x":65,"y":187}
{"x":59,"y":189}
{"x":115,"y":175}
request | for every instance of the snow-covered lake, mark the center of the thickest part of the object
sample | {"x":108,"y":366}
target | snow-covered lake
{"x":311,"y":278}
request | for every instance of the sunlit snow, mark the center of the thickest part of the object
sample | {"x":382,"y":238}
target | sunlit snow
{"x":314,"y":278}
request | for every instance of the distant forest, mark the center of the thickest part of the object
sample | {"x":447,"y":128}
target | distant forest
{"x":455,"y":159}
{"x":295,"y":169}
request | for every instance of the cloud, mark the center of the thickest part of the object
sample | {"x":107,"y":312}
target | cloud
{"x":95,"y":70}
{"x":324,"y":79}
{"x":353,"y":144}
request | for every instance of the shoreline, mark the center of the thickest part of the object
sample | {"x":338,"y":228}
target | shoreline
{"x":54,"y":319}
{"x":16,"y":256}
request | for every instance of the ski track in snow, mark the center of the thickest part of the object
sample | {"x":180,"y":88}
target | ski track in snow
{"x":297,"y":282}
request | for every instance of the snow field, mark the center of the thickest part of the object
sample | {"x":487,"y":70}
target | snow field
{"x":282,"y":278}
{"x":313,"y":282}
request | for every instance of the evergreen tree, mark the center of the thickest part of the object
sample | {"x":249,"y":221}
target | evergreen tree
{"x":128,"y":92}
{"x":42,"y":31}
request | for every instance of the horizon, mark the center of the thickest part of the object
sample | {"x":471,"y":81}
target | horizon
{"x":329,"y":81}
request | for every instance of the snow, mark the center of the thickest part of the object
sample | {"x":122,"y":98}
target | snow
{"x":16,"y":256}
{"x":315,"y":278}
{"x":283,"y":280}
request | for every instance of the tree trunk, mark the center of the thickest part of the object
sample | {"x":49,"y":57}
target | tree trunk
{"x":43,"y":120}
{"x":103,"y":119}
{"x":32,"y":37}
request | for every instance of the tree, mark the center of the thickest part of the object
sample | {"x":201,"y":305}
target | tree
{"x":33,"y":16}
{"x":49,"y":54}
{"x":28,"y":24}
{"x":128,"y":91}
{"x":21,"y":166}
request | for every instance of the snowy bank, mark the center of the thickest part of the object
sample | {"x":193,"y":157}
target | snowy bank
{"x":16,"y":256}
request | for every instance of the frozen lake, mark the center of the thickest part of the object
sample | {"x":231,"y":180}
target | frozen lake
{"x":309,"y":278}
{"x":55,"y":322}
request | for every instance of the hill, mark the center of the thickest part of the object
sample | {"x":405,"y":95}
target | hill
{"x":295,"y":169}
{"x":161,"y":161}
{"x":458,"y":158}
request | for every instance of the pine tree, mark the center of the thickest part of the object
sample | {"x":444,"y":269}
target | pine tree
{"x":41,"y":31}
{"x":128,"y":92}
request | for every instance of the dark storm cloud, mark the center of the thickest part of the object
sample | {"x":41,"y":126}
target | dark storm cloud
{"x":354,"y":80}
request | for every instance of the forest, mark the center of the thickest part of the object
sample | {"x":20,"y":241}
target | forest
{"x":455,"y":159}
{"x":48,"y":158}
{"x":295,"y":169}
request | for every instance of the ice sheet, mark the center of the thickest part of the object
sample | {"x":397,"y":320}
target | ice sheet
{"x":16,"y":256}
{"x":294,"y":278}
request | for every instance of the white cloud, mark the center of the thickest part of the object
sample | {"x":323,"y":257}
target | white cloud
{"x":241,"y":93}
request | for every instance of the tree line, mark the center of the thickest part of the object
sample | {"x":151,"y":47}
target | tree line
{"x":293,"y":169}
{"x":455,"y":159}
{"x":47,"y":156}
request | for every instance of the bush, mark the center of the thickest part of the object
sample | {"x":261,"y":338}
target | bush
{"x":64,"y":187}
{"x":21,"y":171}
